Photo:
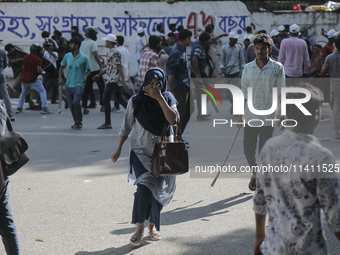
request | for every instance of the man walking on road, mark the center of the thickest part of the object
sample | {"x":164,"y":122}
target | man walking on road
{"x":125,"y":55}
{"x":140,"y":46}
{"x":294,"y":54}
{"x":332,"y":64}
{"x":232,"y":61}
{"x":232,"y":58}
{"x":78,"y":71}
{"x":114,"y":70}
{"x":198,"y":67}
{"x":89,"y":47}
{"x":179,"y":79}
{"x":150,"y":58}
{"x":262,"y":75}
{"x":293,"y":200}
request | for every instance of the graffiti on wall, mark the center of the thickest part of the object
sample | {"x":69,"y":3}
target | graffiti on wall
{"x":21,"y":26}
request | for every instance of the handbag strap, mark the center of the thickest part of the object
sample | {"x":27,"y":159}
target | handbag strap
{"x":177,"y":135}
{"x":9,"y":123}
{"x":163,"y":137}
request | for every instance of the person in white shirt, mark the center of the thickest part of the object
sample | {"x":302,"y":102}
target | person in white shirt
{"x":140,"y":46}
{"x":49,"y":54}
{"x":293,"y":198}
{"x":50,"y":80}
{"x":47,"y":38}
{"x":274,"y":54}
{"x":116,"y":81}
{"x":125,"y":55}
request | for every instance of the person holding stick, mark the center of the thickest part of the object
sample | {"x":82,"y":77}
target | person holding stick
{"x":261,"y":75}
{"x":31,"y":68}
{"x":147,"y":114}
{"x":15,"y":57}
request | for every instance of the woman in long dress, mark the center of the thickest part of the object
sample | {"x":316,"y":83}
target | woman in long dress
{"x":147,"y":112}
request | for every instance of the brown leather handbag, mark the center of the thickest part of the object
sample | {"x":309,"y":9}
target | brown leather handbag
{"x":170,"y":158}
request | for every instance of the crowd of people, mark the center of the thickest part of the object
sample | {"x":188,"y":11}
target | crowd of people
{"x":262,"y":61}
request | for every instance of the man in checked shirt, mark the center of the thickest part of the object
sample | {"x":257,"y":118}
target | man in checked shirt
{"x":262,"y":75}
{"x":150,"y":58}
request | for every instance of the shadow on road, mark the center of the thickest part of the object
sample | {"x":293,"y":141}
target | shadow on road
{"x":184,"y":214}
{"x":238,"y":242}
{"x":117,"y":251}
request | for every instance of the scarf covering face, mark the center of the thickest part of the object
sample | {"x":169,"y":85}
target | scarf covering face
{"x":147,"y":110}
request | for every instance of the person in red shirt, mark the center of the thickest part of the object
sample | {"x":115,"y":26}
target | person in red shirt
{"x":31,"y":68}
{"x":179,"y":28}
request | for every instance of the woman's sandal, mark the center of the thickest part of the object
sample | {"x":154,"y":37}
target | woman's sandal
{"x":155,"y":235}
{"x":137,"y":239}
{"x":252,"y":184}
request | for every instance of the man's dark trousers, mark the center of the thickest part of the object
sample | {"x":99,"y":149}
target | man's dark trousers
{"x":88,"y":90}
{"x":112,"y":88}
{"x":185,"y":106}
{"x":250,"y":141}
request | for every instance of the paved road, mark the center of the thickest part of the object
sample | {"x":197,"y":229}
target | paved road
{"x":73,"y":198}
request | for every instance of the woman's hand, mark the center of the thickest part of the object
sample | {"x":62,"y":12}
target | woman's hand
{"x":115,"y":155}
{"x":155,"y":93}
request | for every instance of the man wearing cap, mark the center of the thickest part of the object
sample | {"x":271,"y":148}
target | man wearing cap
{"x":294,"y":54}
{"x":274,"y":54}
{"x":232,"y":61}
{"x":114,"y":70}
{"x":329,"y":47}
{"x":140,"y":46}
{"x":282,"y":35}
{"x":232,"y":58}
{"x":246,"y":42}
{"x":327,"y":50}
{"x":89,"y":47}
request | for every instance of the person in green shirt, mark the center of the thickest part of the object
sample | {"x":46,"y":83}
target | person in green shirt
{"x":78,"y":70}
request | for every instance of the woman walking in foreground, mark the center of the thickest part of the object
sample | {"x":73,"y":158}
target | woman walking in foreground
{"x":148,"y":112}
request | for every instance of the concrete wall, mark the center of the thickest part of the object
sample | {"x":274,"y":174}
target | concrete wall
{"x":22,"y":23}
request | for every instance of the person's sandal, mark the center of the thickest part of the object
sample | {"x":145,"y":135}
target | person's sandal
{"x":155,"y":235}
{"x":138,"y":239}
{"x":252,"y":184}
